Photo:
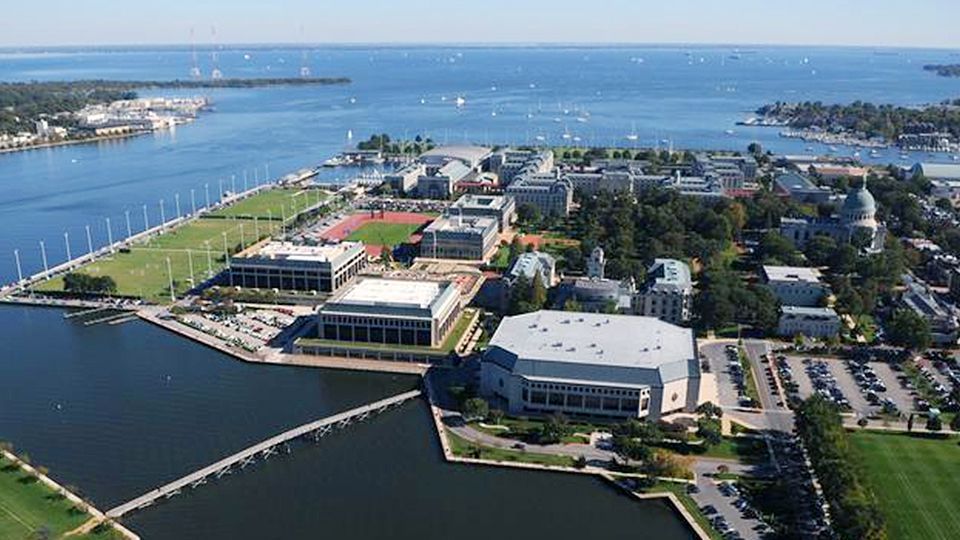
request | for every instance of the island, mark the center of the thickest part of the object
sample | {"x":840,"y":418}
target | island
{"x":944,"y":70}
{"x":934,"y":127}
{"x":36,"y":114}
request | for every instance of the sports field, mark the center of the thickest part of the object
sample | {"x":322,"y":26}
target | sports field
{"x":28,"y":506}
{"x":917,"y":481}
{"x":382,"y":233}
{"x":142,"y":271}
{"x":273,"y":203}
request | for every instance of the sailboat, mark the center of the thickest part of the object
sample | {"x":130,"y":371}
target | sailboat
{"x":460,"y":101}
{"x":632,"y":136}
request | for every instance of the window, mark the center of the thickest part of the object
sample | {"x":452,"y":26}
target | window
{"x":556,"y":399}
{"x":538,"y":397}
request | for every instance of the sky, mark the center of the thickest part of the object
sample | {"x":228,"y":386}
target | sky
{"x":903,"y":23}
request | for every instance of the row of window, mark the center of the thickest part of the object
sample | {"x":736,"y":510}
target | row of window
{"x":582,"y":389}
{"x":630,"y":405}
{"x":374,"y":321}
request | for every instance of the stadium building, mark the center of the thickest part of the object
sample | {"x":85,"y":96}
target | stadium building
{"x":617,"y":366}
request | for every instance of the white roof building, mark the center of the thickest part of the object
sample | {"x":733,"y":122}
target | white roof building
{"x":592,"y":364}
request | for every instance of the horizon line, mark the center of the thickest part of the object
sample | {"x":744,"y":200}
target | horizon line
{"x":474,"y":44}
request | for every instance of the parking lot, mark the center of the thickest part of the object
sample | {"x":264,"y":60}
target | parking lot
{"x":250,"y":329}
{"x":859,"y":386}
{"x":723,"y":361}
{"x":729,"y":513}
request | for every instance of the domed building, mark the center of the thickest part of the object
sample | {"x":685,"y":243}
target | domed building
{"x":857,"y":221}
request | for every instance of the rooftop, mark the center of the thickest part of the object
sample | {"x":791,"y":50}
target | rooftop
{"x":803,"y":311}
{"x":792,"y":273}
{"x":940,"y":171}
{"x":670,"y":273}
{"x":793,"y":182}
{"x":594,"y":338}
{"x":296,"y":252}
{"x":471,"y":224}
{"x":466,"y":153}
{"x":393,"y":292}
{"x":494,"y":202}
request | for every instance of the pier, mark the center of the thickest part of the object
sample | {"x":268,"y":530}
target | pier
{"x":314,"y":430}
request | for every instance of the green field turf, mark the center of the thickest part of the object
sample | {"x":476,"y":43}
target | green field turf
{"x":917,"y":481}
{"x":379,"y":233}
{"x":27,"y":506}
{"x":274,"y":202}
{"x":142,"y":271}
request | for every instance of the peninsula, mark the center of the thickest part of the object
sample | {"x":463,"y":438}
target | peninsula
{"x":944,"y":70}
{"x":36,"y":114}
{"x":934,"y":127}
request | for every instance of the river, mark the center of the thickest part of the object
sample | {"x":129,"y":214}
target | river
{"x":689,"y":96}
{"x":118,"y":410}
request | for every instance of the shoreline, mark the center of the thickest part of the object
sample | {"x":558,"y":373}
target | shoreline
{"x":96,"y":516}
{"x":71,"y":142}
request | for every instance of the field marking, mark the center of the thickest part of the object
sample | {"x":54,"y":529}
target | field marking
{"x":26,"y":525}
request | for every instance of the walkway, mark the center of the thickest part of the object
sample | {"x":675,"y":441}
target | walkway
{"x":316,"y":429}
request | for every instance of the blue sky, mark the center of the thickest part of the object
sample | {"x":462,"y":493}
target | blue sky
{"x":929,"y":23}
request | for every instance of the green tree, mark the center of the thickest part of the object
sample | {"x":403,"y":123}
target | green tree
{"x":934,"y":423}
{"x":908,"y":329}
{"x":475,"y":409}
{"x":955,"y":422}
{"x":495,"y":416}
{"x":538,"y":292}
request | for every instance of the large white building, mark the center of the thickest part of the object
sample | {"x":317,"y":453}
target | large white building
{"x":795,"y":285}
{"x":816,"y":322}
{"x":616,"y":366}
{"x":470,"y":238}
{"x":857,"y":218}
{"x":546,"y":192}
{"x":392,"y":312}
{"x":668,"y":292}
{"x":288,"y":266}
{"x":499,"y":207}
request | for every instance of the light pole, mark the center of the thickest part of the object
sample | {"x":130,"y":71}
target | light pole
{"x":193,"y":203}
{"x":220,"y":197}
{"x":233,"y":184}
{"x":190,"y":263}
{"x":146,"y":222}
{"x":126,"y":214}
{"x":226,"y":257}
{"x":176,"y":198}
{"x":163,"y":218}
{"x":66,"y":240}
{"x":16,"y":255}
{"x":256,"y":229}
{"x":109,"y":235}
{"x":89,"y":241}
{"x":206,"y":188}
{"x":209,"y":259}
{"x":266,"y":172}
{"x":173,"y":298}
{"x":283,"y":221}
{"x":242,"y":245}
{"x":244,"y":180}
{"x":43,"y":253}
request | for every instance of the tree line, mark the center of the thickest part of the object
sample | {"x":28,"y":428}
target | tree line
{"x":80,"y":283}
{"x":854,"y":508}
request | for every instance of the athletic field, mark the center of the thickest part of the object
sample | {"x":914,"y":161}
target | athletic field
{"x":381,"y":233}
{"x":273,"y":203}
{"x":917,"y":481}
{"x":142,"y":271}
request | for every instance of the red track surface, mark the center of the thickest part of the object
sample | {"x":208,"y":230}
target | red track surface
{"x":349,"y":224}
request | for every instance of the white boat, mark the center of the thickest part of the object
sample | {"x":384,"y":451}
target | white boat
{"x":540,"y":138}
{"x":728,"y":131}
{"x":461,"y":101}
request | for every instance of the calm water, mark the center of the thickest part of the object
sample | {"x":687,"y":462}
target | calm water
{"x":118,"y":410}
{"x":689,"y":96}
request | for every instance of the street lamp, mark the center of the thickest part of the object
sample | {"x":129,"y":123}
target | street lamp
{"x":43,"y":253}
{"x":66,"y":240}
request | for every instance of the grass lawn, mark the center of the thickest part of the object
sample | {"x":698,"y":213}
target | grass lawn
{"x":27,"y":506}
{"x":749,"y":381}
{"x":273,"y":202}
{"x":916,"y":481}
{"x":143,"y":270}
{"x":502,"y":259}
{"x":464,"y":448}
{"x":381,"y":233}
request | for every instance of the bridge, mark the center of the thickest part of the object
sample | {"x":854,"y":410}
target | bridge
{"x":264,"y":449}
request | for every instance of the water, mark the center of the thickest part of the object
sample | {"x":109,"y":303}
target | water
{"x":118,"y":410}
{"x":689,"y":96}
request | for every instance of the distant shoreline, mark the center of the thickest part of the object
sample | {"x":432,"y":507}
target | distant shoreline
{"x":67,"y":142}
